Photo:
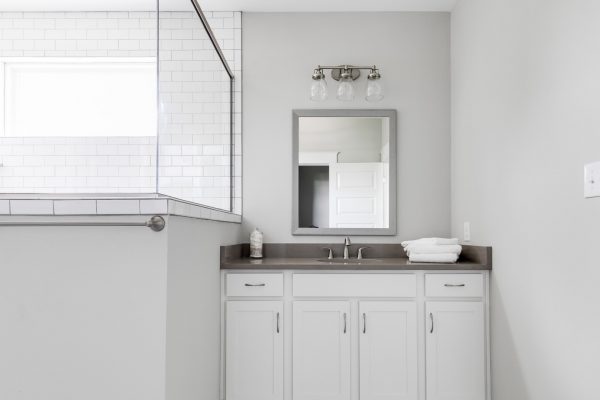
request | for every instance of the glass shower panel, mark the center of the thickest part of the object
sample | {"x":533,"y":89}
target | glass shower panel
{"x":195,"y":126}
{"x":79,"y":99}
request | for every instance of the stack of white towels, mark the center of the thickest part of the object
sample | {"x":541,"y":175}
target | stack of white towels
{"x":433,"y":250}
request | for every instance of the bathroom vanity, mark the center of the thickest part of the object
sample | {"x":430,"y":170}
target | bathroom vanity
{"x":298,"y":326}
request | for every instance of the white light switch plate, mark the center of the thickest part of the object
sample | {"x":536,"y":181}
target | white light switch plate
{"x":467,"y":231}
{"x":591,"y":180}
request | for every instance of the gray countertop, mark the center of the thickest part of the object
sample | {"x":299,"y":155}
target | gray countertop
{"x":307,"y":256}
{"x":313,"y":264}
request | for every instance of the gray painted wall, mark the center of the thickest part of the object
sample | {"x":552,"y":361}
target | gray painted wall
{"x":82,"y":311}
{"x":525,"y":101}
{"x":354,"y":139}
{"x":101,"y":313}
{"x":194,"y":306}
{"x":413,"y":53}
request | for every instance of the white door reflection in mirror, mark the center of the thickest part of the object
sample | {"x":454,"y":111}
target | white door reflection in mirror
{"x":356,"y":195}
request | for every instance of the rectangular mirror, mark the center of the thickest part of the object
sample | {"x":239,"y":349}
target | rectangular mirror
{"x":344,"y":172}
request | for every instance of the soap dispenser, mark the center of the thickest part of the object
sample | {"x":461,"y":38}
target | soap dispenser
{"x":256,"y":244}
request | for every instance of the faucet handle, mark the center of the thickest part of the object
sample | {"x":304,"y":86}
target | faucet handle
{"x":360,"y":251}
{"x":347,"y":241}
{"x":330,"y":256}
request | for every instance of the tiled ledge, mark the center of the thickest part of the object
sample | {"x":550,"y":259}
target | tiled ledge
{"x":127,"y":205}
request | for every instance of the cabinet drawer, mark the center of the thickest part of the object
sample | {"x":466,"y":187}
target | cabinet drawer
{"x":355,"y":285}
{"x":254,"y":284}
{"x":454,"y":285}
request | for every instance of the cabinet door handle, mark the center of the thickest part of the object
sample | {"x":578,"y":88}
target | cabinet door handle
{"x":277,"y":322}
{"x":254,"y":284}
{"x":454,"y":284}
{"x":364,"y":323}
{"x":345,"y":323}
{"x":431,"y":317}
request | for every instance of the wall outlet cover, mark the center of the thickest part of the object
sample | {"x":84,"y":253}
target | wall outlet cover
{"x":591,"y":180}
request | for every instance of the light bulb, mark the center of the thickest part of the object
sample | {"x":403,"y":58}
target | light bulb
{"x":345,"y":91}
{"x":374,"y":92}
{"x":318,"y":90}
{"x":318,"y":87}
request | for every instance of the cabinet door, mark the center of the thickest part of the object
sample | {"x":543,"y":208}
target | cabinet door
{"x":388,"y":350}
{"x":254,"y":350}
{"x":455,"y":351}
{"x":321,"y":350}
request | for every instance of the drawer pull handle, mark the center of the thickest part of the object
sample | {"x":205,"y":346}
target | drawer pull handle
{"x":454,"y":285}
{"x":345,"y":324}
{"x":254,"y":284}
{"x":431,"y":317}
{"x":278,"y":322}
{"x":364,"y":323}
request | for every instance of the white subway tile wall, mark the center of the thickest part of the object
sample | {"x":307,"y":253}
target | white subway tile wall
{"x":132,"y":206}
{"x":159,"y":206}
{"x":74,"y":207}
{"x":78,"y":164}
{"x":193,"y":147}
{"x":4,"y":207}
{"x":32,"y":207}
{"x":195,"y":94}
{"x":118,"y":206}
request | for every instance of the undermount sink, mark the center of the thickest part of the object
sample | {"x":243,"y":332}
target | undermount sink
{"x":349,"y":261}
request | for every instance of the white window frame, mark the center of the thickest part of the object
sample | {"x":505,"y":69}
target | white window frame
{"x":45,"y":60}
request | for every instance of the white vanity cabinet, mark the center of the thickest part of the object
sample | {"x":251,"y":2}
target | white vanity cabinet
{"x":254,"y":342}
{"x":355,"y":335}
{"x":388,"y":350}
{"x":455,"y":338}
{"x":455,"y":349}
{"x":321,"y":350}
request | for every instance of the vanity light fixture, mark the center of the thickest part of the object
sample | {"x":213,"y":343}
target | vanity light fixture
{"x":345,"y":75}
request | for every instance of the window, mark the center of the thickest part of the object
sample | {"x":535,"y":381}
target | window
{"x":79,"y":97}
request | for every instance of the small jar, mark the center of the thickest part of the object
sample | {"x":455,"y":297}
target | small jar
{"x":256,"y":244}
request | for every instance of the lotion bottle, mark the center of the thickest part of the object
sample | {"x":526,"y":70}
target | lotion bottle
{"x":256,"y":244}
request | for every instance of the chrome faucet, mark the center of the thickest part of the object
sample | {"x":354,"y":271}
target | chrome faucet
{"x":347,"y":244}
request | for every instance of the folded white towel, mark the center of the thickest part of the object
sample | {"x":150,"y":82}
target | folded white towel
{"x":417,"y":248}
{"x":433,"y":258}
{"x":433,"y":240}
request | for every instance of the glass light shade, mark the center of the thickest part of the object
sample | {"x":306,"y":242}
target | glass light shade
{"x":374,"y":92}
{"x":318,"y":90}
{"x":345,"y":91}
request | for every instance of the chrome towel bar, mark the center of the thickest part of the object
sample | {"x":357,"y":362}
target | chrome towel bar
{"x":156,"y":223}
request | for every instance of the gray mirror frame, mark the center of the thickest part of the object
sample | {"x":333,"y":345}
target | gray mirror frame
{"x":391,"y":114}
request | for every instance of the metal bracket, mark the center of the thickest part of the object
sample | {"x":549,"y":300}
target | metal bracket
{"x":156,"y":223}
{"x":336,"y":72}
